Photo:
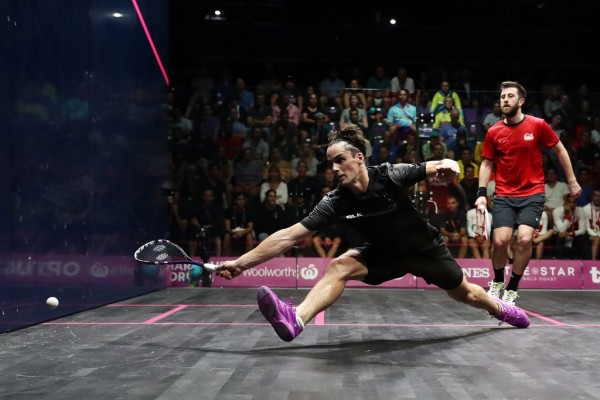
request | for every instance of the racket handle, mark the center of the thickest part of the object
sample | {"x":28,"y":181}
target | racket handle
{"x":210,"y":267}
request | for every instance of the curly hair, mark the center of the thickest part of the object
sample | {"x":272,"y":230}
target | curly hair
{"x":352,"y":135}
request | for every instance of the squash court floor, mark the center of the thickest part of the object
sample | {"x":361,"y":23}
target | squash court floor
{"x":213,"y":343}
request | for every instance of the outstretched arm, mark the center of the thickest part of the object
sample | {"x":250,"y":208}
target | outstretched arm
{"x":275,"y":244}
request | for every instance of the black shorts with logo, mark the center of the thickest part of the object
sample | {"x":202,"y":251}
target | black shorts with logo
{"x":434,"y":263}
{"x":514,"y":211}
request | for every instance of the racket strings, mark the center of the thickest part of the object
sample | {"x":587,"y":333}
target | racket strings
{"x":161,"y":252}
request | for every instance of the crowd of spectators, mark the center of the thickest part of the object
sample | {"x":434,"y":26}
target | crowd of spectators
{"x":257,"y":154}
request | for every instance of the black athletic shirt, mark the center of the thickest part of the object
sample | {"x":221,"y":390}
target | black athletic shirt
{"x":384,"y":214}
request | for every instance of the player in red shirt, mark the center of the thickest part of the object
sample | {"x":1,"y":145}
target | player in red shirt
{"x":514,"y":147}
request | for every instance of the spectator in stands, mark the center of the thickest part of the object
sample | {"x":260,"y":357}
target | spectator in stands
{"x":269,"y":217}
{"x":454,"y":228}
{"x":302,"y":185}
{"x":308,"y":156}
{"x":326,"y":179}
{"x":470,"y":184}
{"x":206,"y":225}
{"x":275,"y":158}
{"x":403,"y":81}
{"x":178,"y":120}
{"x":207,"y":124}
{"x":233,"y":132}
{"x":224,"y":163}
{"x":297,"y":209}
{"x":308,"y":121}
{"x":584,"y":115}
{"x":354,"y":105}
{"x":438,"y":102}
{"x":377,"y":107}
{"x":552,"y":102}
{"x":542,"y":237}
{"x":222,"y":93}
{"x":555,"y":192}
{"x":589,"y":152}
{"x":244,"y":97}
{"x":248,"y":174}
{"x":285,"y":110}
{"x":260,"y":116}
{"x":443,"y":115}
{"x":479,"y":242}
{"x":274,"y":182}
{"x":327,"y":242}
{"x":434,"y":148}
{"x":587,"y":186}
{"x":387,"y":139}
{"x":491,"y":118}
{"x":409,"y":143}
{"x":379,"y":82}
{"x":570,"y":228}
{"x":591,"y":215}
{"x":213,"y":180}
{"x":451,"y":130}
{"x":402,"y":116}
{"x":239,"y":227}
{"x":355,"y":89}
{"x":283,"y":140}
{"x":411,"y":157}
{"x":259,"y":146}
{"x":289,"y":89}
{"x":331,"y":90}
{"x":466,"y":159}
{"x":566,"y":111}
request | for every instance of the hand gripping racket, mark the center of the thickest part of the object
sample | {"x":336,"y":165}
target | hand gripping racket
{"x":162,"y":251}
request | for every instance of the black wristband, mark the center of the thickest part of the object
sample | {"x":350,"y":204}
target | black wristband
{"x":482,"y":191}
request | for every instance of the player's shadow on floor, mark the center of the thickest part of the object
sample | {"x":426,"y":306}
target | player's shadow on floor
{"x":346,"y":350}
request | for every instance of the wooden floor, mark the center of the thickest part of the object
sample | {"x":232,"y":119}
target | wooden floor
{"x":212,"y":343}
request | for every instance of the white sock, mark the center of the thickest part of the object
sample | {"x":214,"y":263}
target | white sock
{"x":299,"y":321}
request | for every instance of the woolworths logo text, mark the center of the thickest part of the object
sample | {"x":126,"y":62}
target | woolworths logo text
{"x":310,"y":272}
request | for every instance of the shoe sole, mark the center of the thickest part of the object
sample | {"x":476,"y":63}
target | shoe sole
{"x":267,"y":304}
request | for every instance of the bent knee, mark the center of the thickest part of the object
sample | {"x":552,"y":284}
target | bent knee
{"x":344,"y":267}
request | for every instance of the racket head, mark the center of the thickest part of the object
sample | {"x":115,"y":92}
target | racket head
{"x":163,"y":251}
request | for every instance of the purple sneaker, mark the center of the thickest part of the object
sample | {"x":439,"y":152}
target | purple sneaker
{"x":280,"y":314}
{"x":512,"y":315}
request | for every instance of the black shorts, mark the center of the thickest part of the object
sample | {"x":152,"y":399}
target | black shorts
{"x":514,"y":211}
{"x":434,"y":263}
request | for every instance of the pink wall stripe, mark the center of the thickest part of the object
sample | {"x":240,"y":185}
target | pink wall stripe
{"x":149,"y":37}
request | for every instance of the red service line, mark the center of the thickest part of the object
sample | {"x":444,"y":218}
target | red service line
{"x":164,"y":315}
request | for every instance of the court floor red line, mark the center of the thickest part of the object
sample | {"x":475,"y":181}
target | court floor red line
{"x":164,"y":315}
{"x":441,"y":325}
{"x":187,"y":305}
{"x":550,"y":320}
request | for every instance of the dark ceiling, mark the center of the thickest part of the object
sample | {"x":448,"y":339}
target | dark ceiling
{"x":312,"y":34}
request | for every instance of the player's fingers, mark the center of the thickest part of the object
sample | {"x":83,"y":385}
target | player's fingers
{"x":225,"y":274}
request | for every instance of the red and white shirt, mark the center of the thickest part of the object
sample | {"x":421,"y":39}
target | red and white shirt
{"x":517,"y":153}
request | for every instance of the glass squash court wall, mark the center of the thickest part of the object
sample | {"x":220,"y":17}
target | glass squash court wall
{"x":83,"y":154}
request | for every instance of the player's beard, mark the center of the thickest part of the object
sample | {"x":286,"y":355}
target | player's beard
{"x":512,"y":111}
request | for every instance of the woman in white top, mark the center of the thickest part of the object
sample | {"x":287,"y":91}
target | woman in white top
{"x":275,"y":182}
